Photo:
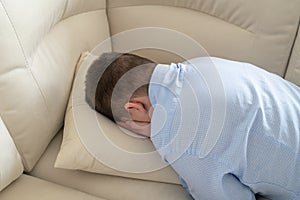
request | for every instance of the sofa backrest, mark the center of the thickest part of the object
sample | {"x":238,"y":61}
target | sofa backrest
{"x":41,"y":41}
{"x":259,"y":32}
{"x":40,"y":44}
{"x":293,"y":70}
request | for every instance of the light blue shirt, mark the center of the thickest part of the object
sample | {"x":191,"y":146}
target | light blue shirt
{"x":232,"y":141}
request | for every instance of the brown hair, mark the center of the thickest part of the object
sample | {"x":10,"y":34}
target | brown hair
{"x":110,"y":70}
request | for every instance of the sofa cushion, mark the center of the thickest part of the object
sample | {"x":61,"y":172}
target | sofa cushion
{"x":257,"y":32}
{"x":10,"y":161}
{"x":75,"y":154}
{"x":40,"y":43}
{"x":106,"y":186}
{"x":31,"y":188}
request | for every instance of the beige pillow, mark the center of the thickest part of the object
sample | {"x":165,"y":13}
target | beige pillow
{"x":93,"y":143}
{"x":11,"y":166}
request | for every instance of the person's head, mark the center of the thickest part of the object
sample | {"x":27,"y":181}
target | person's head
{"x":117,"y":87}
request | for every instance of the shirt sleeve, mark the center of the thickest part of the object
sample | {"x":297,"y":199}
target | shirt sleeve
{"x":208,"y":179}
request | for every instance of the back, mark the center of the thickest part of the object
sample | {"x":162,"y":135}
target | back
{"x":259,"y":141}
{"x":263,"y":125}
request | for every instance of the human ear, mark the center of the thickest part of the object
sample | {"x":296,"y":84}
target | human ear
{"x":135,"y":106}
{"x":137,"y":111}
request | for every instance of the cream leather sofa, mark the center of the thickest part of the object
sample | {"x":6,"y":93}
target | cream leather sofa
{"x":41,"y":41}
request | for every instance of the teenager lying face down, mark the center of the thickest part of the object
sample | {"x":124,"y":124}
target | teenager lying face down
{"x":258,"y":151}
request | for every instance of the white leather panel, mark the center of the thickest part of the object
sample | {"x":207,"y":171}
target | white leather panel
{"x":38,"y":57}
{"x":11,"y":54}
{"x":293,"y":70}
{"x":80,"y":6}
{"x":11,"y":165}
{"x":259,"y":32}
{"x":31,"y":188}
{"x":31,"y":20}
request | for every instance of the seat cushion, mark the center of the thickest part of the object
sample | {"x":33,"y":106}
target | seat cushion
{"x":106,"y":186}
{"x":31,"y":188}
{"x":10,"y":161}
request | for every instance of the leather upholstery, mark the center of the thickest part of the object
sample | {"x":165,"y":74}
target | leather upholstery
{"x":293,"y":70}
{"x":261,"y":33}
{"x":31,"y":188}
{"x":107,"y":186}
{"x":41,"y":41}
{"x":40,"y":45}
